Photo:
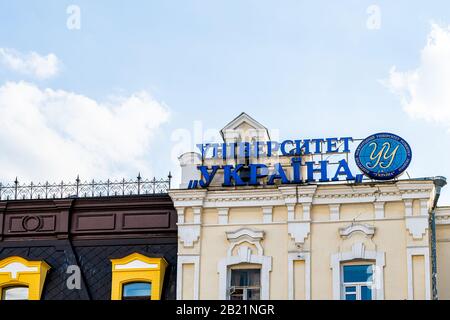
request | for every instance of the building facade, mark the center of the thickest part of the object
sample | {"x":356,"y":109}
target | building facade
{"x":90,"y":246}
{"x":443,"y":251}
{"x":249,"y":221}
{"x":353,"y":240}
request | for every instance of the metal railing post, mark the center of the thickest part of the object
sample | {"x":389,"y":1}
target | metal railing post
{"x":139,"y":183}
{"x":78,"y":183}
{"x":16,"y":182}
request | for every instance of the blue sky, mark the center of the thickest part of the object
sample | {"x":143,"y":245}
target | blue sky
{"x":308,"y":68}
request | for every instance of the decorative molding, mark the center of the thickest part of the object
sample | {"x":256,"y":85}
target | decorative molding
{"x":315,"y":194}
{"x":334,"y":212}
{"x":442,"y":220}
{"x":366,"y":229}
{"x":415,"y":189}
{"x":136,"y":264}
{"x":188,"y":259}
{"x":255,"y":235}
{"x":14,"y":268}
{"x":223,"y":268}
{"x":291,"y":212}
{"x":244,"y":255}
{"x":424,"y":207}
{"x":442,"y":215}
{"x":188,"y":198}
{"x":306,"y":211}
{"x":267,"y":214}
{"x":242,"y":235}
{"x":358,"y":252}
{"x":222,"y":214}
{"x":180,"y":214}
{"x":299,"y":231}
{"x":296,"y":256}
{"x":189,"y":234}
{"x":305,"y":194}
{"x":244,"y":198}
{"x":417,"y":226}
{"x":289,"y":194}
{"x":379,"y":209}
{"x":87,"y":218}
{"x":197,"y":214}
{"x":418,"y":251}
{"x":408,"y":207}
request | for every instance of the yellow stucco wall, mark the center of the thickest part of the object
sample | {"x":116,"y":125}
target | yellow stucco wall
{"x":188,"y":280}
{"x":443,"y":260}
{"x":391,"y":237}
{"x":419,"y":277}
{"x":299,"y":280}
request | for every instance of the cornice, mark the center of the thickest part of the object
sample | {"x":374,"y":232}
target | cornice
{"x":443,"y":215}
{"x":315,"y":194}
{"x":188,"y":198}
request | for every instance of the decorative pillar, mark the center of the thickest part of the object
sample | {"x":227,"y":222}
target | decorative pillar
{"x":222,"y":214}
{"x":334,"y":212}
{"x":379,"y":209}
{"x":268,"y":214}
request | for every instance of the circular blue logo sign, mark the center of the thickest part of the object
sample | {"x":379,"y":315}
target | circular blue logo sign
{"x":383,"y":156}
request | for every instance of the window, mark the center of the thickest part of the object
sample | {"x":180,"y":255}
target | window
{"x":245,"y":284}
{"x":15,"y":293}
{"x":137,"y":277}
{"x":137,"y":291}
{"x":21,"y":279}
{"x":358,"y":281}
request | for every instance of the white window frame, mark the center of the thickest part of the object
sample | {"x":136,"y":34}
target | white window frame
{"x":358,"y":285}
{"x":358,"y":253}
{"x":244,"y":288}
{"x":223,"y":268}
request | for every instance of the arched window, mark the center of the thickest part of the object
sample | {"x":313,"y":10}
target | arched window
{"x":137,"y":291}
{"x":15,"y":293}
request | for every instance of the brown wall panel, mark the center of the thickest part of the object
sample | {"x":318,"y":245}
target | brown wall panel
{"x":87,"y":222}
{"x":123,"y":216}
{"x":146,"y":220}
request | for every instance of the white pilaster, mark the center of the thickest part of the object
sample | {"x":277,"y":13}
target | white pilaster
{"x":197,"y":214}
{"x":306,"y":211}
{"x":334,"y":212}
{"x":418,"y":251}
{"x":379,"y":209}
{"x":267,"y":214}
{"x":408,"y":207}
{"x":291,"y":212}
{"x":296,"y":256}
{"x":188,"y":259}
{"x":223,"y":215}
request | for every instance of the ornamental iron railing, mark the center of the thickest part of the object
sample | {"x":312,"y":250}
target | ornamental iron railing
{"x":78,"y":189}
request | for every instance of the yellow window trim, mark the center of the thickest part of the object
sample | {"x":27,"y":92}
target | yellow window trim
{"x":17,"y":271}
{"x":137,"y":268}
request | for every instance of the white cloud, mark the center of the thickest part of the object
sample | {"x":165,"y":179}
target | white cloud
{"x":41,"y":67}
{"x":425,"y":91}
{"x":55,"y":134}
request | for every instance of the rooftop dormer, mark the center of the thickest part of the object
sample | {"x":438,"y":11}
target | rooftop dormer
{"x":244,"y":128}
